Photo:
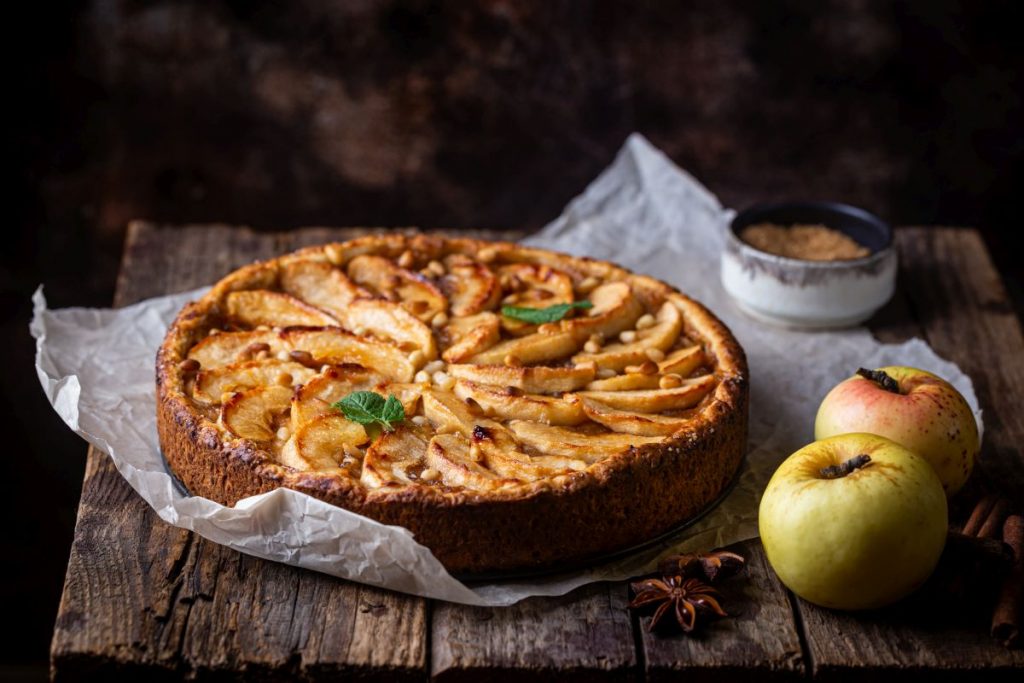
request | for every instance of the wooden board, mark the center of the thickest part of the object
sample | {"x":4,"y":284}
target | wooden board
{"x":145,"y":598}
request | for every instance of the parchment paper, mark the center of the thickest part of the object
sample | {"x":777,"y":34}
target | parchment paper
{"x":96,"y":367}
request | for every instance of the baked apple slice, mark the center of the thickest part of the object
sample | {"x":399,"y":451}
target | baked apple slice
{"x":212,"y":384}
{"x":628,"y":382}
{"x":656,"y":400}
{"x":390,"y":321}
{"x":534,"y":379}
{"x":471,"y":287}
{"x":323,"y":443}
{"x":682,"y":361}
{"x":327,"y":288}
{"x":458,"y":464}
{"x":533,"y":348}
{"x":514,"y":464}
{"x":413,"y":291}
{"x":335,"y":345}
{"x":569,"y":443}
{"x":533,"y":285}
{"x":628,"y":422}
{"x":254,"y":307}
{"x":516,"y":405}
{"x":614,"y":310}
{"x":320,"y":284}
{"x":315,"y":396}
{"x":392,"y":458}
{"x":448,"y":414}
{"x":254,"y":413}
{"x":471,"y":335}
{"x":661,"y":336}
{"x":225,"y":348}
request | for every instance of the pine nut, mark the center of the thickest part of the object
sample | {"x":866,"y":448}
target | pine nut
{"x":670,"y":381}
{"x":421,"y":377}
{"x":645,"y":321}
{"x":486,"y":255}
{"x":405,"y":259}
{"x":592,"y":347}
{"x":434,"y":365}
{"x":283,"y":434}
{"x":439,"y":320}
{"x":417,"y":357}
{"x":513,"y":361}
{"x":303,"y":357}
{"x":628,"y":337}
{"x":283,"y":355}
{"x":605,"y":373}
{"x":430,"y":474}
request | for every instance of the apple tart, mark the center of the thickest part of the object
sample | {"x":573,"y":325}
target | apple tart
{"x":513,"y":407}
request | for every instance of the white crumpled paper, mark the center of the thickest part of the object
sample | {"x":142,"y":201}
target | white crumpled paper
{"x":96,"y":367}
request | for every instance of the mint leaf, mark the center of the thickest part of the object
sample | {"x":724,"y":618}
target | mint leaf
{"x":543,"y":315}
{"x":392,"y":413}
{"x":370,"y":408}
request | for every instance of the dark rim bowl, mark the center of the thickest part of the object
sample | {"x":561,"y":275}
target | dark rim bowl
{"x":863,"y":227}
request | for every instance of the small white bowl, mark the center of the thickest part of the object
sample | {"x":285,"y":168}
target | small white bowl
{"x":810,"y":294}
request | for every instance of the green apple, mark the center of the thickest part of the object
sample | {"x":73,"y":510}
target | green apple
{"x":912,"y":407}
{"x":853,"y":522}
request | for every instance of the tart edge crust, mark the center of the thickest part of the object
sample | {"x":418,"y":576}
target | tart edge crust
{"x":616,"y":504}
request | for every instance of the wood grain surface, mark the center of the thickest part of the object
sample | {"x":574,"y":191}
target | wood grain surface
{"x":143,"y":598}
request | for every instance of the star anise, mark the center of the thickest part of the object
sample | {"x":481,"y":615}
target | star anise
{"x":717,"y":564}
{"x":685,"y":597}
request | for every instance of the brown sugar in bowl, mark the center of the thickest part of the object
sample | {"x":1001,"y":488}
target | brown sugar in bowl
{"x":806,"y":293}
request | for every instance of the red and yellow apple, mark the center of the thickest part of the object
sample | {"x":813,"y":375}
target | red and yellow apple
{"x":914,"y":408}
{"x":853,"y":522}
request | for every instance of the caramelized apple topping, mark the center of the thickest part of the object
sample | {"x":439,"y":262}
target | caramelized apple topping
{"x":419,"y":363}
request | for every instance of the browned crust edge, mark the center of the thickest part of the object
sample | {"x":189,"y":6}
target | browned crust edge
{"x":616,"y":504}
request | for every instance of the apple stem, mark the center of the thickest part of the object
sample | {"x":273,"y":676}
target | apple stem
{"x":880,"y":378}
{"x":844,"y":468}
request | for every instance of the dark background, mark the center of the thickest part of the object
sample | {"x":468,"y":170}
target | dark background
{"x":448,"y":114}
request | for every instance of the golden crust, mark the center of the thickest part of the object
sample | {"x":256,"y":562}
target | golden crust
{"x":617,"y":502}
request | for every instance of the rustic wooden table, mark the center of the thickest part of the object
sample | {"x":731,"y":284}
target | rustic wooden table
{"x":143,"y":598}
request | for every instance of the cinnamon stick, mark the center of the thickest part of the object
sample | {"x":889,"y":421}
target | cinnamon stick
{"x":1006,"y":619}
{"x":993,"y":526}
{"x":978,"y":515}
